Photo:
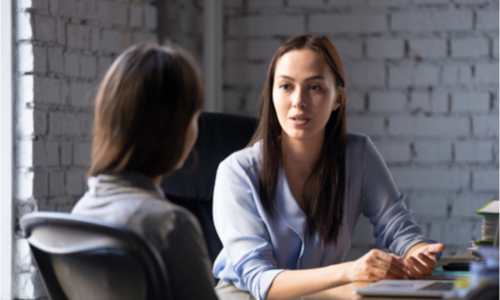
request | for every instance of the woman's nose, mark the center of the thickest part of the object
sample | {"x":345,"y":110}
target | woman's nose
{"x":299,"y":98}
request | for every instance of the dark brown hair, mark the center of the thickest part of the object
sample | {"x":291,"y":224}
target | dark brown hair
{"x":324,"y":189}
{"x":143,"y":109}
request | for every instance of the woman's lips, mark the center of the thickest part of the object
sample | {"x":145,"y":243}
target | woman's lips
{"x":299,"y":120}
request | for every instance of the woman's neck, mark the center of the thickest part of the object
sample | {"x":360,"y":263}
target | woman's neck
{"x":157,"y":180}
{"x":299,"y":159}
{"x":303,"y":153}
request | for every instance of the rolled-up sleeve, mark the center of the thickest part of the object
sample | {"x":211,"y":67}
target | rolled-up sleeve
{"x":383,"y":205}
{"x":247,"y":257}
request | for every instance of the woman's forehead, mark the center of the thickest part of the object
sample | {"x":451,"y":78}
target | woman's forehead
{"x":302,"y":63}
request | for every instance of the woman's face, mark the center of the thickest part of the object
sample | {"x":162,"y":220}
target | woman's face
{"x":191,"y":136}
{"x":304,"y":94}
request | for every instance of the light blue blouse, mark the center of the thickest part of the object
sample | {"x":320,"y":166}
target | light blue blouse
{"x":256,"y":246}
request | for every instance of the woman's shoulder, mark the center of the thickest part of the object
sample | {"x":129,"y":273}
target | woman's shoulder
{"x":356,"y":138}
{"x":165,"y":210}
{"x":245,"y":159}
{"x":356,"y":141}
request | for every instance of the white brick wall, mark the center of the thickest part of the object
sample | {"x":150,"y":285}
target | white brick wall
{"x":335,"y":23}
{"x":434,"y":20}
{"x":422,"y":81}
{"x":432,"y":151}
{"x":266,"y":25}
{"x":428,"y":48}
{"x":469,"y":47}
{"x":366,"y":75}
{"x":181,"y":22}
{"x":63,"y":53}
{"x":387,"y":102}
{"x":475,"y":102}
{"x":385,"y":48}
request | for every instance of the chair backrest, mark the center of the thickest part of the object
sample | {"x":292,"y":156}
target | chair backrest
{"x":85,"y":258}
{"x":192,"y":186}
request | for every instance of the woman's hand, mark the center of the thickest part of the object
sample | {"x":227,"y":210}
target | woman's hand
{"x":377,"y":265}
{"x":421,"y":259}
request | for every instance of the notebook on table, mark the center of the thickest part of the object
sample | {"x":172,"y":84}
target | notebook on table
{"x":409,"y":288}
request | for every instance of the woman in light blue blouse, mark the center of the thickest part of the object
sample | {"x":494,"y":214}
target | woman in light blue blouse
{"x":285,"y":208}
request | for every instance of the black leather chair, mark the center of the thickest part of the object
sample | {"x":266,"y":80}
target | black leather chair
{"x":192,"y":186}
{"x":85,"y":258}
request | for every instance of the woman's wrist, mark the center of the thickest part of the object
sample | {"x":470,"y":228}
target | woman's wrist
{"x":414,"y":248}
{"x":340,"y":273}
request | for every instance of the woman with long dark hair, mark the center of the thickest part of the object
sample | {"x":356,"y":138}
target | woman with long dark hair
{"x":145,"y":125}
{"x":285,"y":208}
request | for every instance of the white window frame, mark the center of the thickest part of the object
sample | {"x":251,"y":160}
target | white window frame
{"x":6,"y":147}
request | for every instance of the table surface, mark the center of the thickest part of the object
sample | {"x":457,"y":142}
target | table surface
{"x":345,"y":292}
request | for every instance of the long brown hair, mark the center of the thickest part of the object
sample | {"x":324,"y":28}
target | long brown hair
{"x":142,"y":111}
{"x":324,"y":189}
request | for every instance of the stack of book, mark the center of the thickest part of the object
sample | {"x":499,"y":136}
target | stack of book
{"x":490,"y":224}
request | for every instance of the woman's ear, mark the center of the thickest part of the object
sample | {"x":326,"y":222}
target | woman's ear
{"x":339,"y":98}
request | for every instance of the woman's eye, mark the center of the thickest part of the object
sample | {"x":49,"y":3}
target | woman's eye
{"x":285,"y":86}
{"x":315,"y":87}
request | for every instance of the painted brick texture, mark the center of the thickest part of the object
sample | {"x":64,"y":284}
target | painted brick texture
{"x":422,"y":82}
{"x":64,"y":47}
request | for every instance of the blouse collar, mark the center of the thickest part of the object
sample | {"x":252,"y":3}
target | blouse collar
{"x":105,"y":185}
{"x":287,"y":207}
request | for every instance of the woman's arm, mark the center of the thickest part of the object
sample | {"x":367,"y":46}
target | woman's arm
{"x":295,"y":283}
{"x":384,"y":206}
{"x":395,"y":227}
{"x":247,"y":257}
{"x":373,"y":266}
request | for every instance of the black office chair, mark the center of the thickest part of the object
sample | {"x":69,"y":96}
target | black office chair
{"x":85,"y":258}
{"x":192,"y":186}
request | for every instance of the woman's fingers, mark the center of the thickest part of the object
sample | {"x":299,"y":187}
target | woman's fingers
{"x":390,"y":265}
{"x":430,"y":261}
{"x":390,"y":258}
{"x":417,"y":268}
{"x":391,"y":269}
{"x":415,"y":274}
{"x":377,"y":265}
{"x":383,"y":274}
{"x":423,"y":261}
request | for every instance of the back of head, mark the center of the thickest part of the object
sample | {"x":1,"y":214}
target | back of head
{"x":142,"y":110}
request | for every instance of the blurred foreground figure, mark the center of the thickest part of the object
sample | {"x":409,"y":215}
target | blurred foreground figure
{"x":145,"y":125}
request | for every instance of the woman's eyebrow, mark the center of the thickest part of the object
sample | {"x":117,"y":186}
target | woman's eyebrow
{"x":307,"y":79}
{"x":315,"y":77}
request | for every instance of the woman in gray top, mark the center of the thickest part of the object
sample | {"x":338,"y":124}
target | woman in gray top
{"x":145,"y":125}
